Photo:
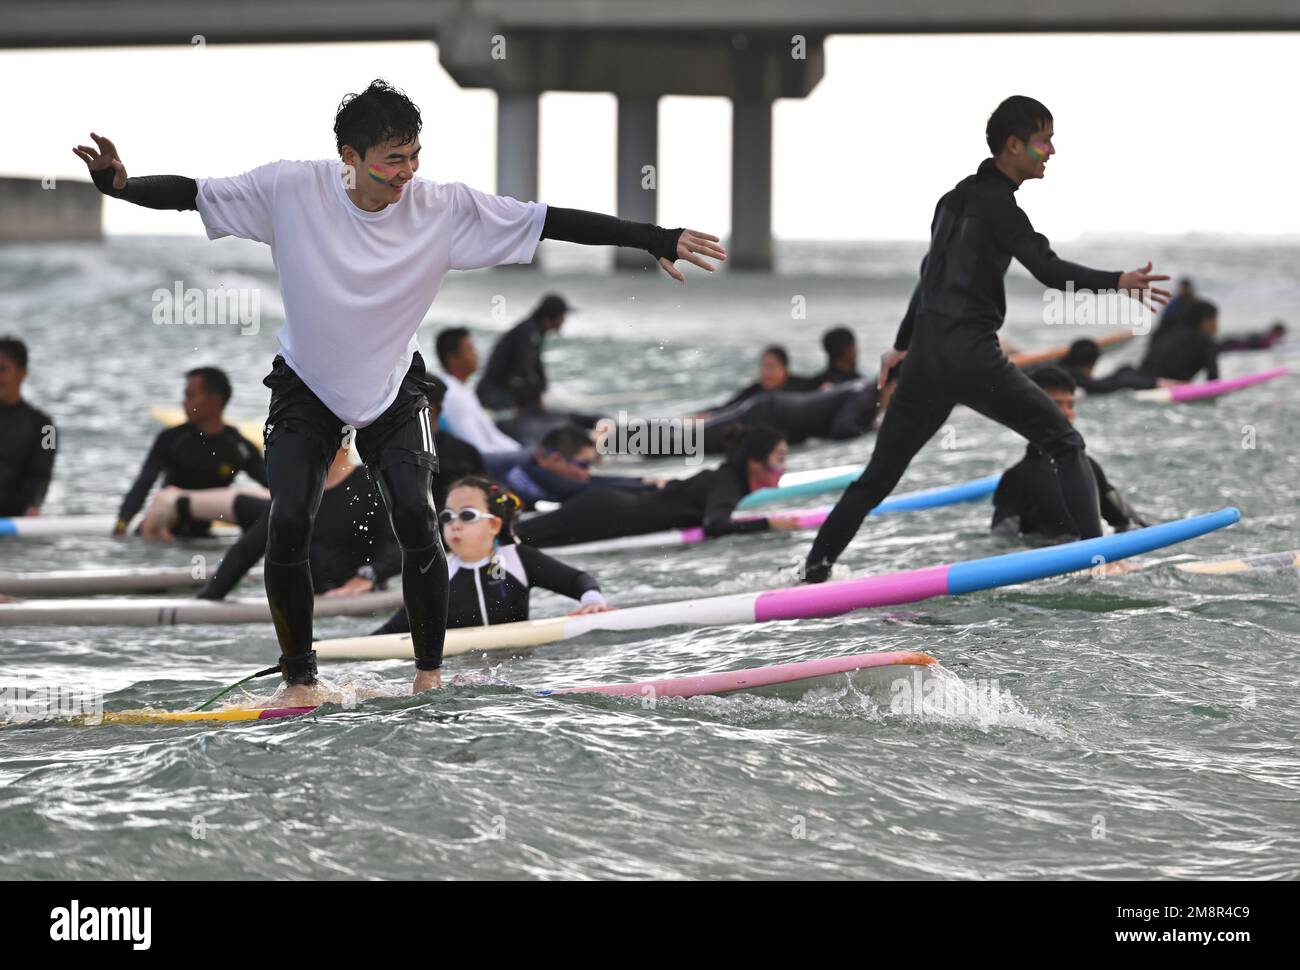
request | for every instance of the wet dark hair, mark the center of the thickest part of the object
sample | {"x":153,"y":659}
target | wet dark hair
{"x":501,"y":502}
{"x":745,"y":441}
{"x":777,"y":351}
{"x":1052,"y":378}
{"x":15,"y":350}
{"x":1277,"y":326}
{"x":214,"y":381}
{"x":1199,"y":312}
{"x":1083,"y":353}
{"x":1017,"y":115}
{"x":837,"y":340}
{"x":434,"y":390}
{"x":568,"y":439}
{"x":447,"y":343}
{"x":379,"y":114}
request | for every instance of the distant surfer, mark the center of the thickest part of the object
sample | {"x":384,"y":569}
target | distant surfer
{"x":28,"y":438}
{"x":947,"y":342}
{"x":361,"y":246}
{"x":1188,"y":347}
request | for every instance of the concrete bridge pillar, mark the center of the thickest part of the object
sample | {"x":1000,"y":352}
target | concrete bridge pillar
{"x":638,"y":169}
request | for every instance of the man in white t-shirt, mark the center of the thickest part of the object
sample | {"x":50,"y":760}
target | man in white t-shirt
{"x":361,"y":246}
{"x":466,"y":417}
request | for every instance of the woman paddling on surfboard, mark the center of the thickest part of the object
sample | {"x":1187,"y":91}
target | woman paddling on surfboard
{"x":707,"y":499}
{"x":361,"y":245}
{"x":947,"y":342}
{"x":490,"y":576}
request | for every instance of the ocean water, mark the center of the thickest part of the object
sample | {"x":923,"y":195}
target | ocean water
{"x":1145,"y":724}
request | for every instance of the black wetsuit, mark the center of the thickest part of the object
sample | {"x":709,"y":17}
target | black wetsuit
{"x":351,"y":531}
{"x":834,"y":375}
{"x":1181,"y":353}
{"x":27,"y":448}
{"x":514,"y":374}
{"x":839,"y":413}
{"x":456,"y":459}
{"x":705,"y":499}
{"x":303,"y":435}
{"x":496,"y":589}
{"x":950,"y":334}
{"x":187,"y":458}
{"x":1126,"y":378}
{"x":1028,"y":500}
{"x":792,"y":383}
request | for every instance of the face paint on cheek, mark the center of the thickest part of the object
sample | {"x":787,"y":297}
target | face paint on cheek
{"x":1037,"y":152}
{"x":380,"y":173}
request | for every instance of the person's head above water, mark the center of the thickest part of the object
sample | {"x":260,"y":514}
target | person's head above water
{"x":1083,"y":354}
{"x":478,"y":513}
{"x":377,"y":133}
{"x":207,"y":389}
{"x":567,"y":451}
{"x":551,"y":312}
{"x":1203,"y":316}
{"x":773,"y":368}
{"x":759,"y":450}
{"x":1059,"y":386}
{"x":1019,"y":134}
{"x":13,"y":369}
{"x":1186,"y":289}
{"x":841,"y":348}
{"x":456,"y":352}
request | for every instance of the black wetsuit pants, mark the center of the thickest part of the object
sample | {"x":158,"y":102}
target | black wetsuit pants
{"x":948,"y":365}
{"x":302,"y":437}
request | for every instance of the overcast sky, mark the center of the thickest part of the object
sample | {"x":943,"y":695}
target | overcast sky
{"x":1154,"y":133}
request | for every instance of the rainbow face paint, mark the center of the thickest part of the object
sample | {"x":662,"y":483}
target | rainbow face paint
{"x":380,"y":173}
{"x":1037,"y":151}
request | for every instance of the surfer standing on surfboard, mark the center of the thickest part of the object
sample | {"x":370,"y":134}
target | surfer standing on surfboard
{"x":947,"y":343}
{"x":361,"y":245}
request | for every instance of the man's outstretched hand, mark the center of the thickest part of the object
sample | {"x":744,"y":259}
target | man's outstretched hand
{"x":1137,"y":283}
{"x":107,"y":157}
{"x":694,"y":247}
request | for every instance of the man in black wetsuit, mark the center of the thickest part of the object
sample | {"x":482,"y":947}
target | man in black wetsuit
{"x":947,"y":342}
{"x":361,"y":245}
{"x":27,"y":438}
{"x":1028,"y":499}
{"x":841,"y":412}
{"x":204,"y":452}
{"x":1081,"y":360}
{"x":841,"y":348}
{"x":1188,"y":347}
{"x":514,"y":375}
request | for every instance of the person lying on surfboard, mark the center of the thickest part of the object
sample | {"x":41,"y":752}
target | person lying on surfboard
{"x":947,"y":341}
{"x":361,"y":245}
{"x":1081,"y":360}
{"x":490,"y":575}
{"x":773,"y":375}
{"x":1183,"y":351}
{"x":1028,"y":500}
{"x":756,"y":459}
{"x":203,"y":453}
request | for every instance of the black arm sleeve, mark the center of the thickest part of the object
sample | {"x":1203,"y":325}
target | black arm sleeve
{"x":151,"y":191}
{"x":596,"y":229}
{"x":239,"y":559}
{"x":554,"y":575}
{"x":149,"y":472}
{"x":723,"y":497}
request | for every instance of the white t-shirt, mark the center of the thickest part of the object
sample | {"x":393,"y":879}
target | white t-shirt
{"x":468,"y":420}
{"x":356,"y":285}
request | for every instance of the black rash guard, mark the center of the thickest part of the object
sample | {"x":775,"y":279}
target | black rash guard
{"x":1180,"y":353}
{"x":976,"y":231}
{"x":1126,"y":378}
{"x":27,"y":447}
{"x":1028,"y":500}
{"x":352,"y":531}
{"x":706,"y":500}
{"x":792,"y":383}
{"x":496,"y":589}
{"x":187,"y":458}
{"x":834,"y":375}
{"x":514,"y":375}
{"x":838,"y":414}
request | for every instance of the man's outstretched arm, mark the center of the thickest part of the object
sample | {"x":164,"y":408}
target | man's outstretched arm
{"x":152,"y":191}
{"x":666,"y":245}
